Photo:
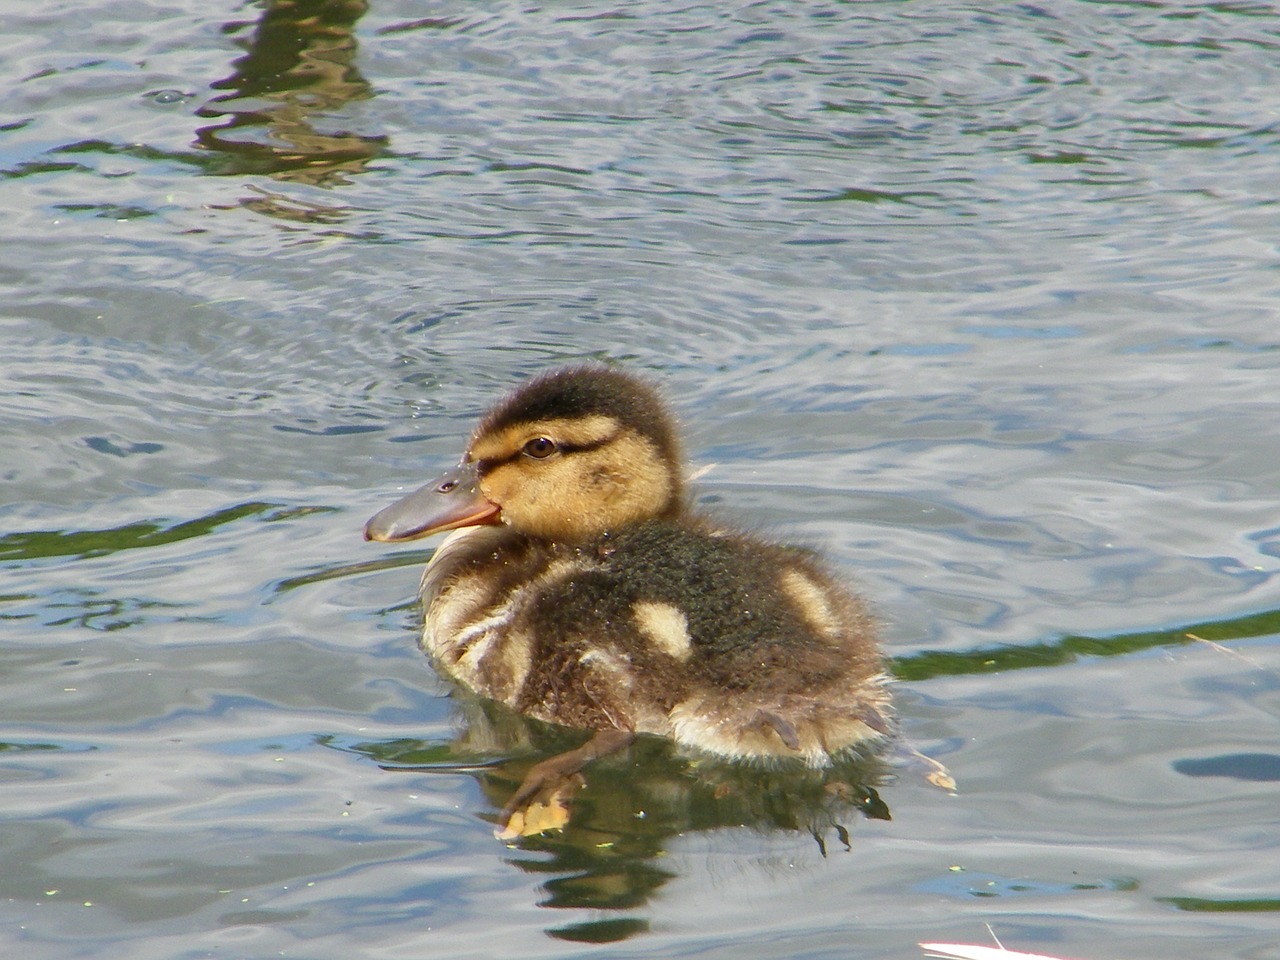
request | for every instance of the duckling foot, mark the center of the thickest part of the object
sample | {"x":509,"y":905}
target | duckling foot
{"x":932,"y":771}
{"x":547,"y":810}
{"x":781,"y":726}
{"x":542,"y":801}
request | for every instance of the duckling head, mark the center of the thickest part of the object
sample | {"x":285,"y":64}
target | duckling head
{"x":571,"y":455}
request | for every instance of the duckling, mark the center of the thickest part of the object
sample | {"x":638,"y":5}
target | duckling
{"x":579,"y":587}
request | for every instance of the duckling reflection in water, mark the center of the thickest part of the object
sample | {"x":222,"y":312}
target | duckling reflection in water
{"x":579,"y":587}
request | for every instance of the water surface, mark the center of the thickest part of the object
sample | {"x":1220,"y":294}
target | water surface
{"x":979,"y":300}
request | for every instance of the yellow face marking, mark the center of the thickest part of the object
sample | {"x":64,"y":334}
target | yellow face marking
{"x":566,"y":431}
{"x":611,"y":483}
{"x":810,"y":601}
{"x":665,"y":626}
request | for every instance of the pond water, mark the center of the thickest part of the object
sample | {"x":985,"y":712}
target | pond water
{"x":978,"y":299}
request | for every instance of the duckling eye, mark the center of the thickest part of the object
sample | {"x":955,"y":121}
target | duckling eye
{"x":540,"y":448}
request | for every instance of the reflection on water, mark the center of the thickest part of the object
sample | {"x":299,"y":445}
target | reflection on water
{"x":1261,"y":767}
{"x":604,"y":852}
{"x":928,"y":664}
{"x":299,"y":70}
{"x":40,"y":544}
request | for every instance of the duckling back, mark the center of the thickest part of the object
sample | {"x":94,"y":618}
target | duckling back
{"x":723,"y":642}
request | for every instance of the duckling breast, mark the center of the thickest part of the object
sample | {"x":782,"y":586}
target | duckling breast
{"x":474,"y":590}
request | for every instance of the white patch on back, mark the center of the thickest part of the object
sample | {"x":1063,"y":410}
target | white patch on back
{"x":810,"y":601}
{"x":665,"y":626}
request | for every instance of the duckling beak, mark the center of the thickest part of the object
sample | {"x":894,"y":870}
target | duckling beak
{"x":446,"y":503}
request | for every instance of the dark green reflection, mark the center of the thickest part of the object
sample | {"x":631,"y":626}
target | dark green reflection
{"x":38,"y":544}
{"x":608,"y":853}
{"x":297,"y":72}
{"x":1202,"y":905}
{"x":601,"y":931}
{"x":6,"y":747}
{"x":935,"y":663}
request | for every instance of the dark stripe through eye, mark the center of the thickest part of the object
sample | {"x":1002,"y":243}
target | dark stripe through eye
{"x":540,"y":448}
